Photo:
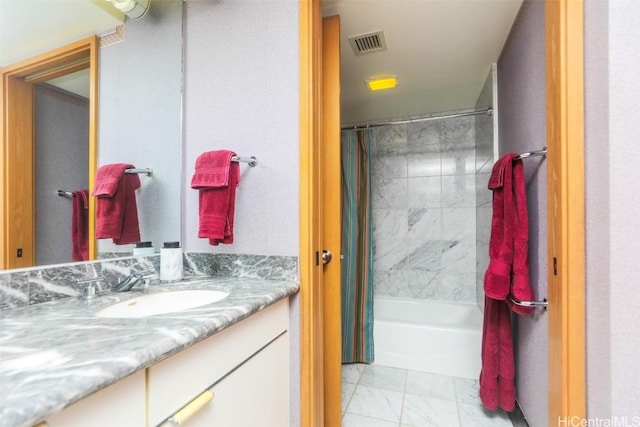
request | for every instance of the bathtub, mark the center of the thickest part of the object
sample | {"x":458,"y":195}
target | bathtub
{"x":428,"y":336}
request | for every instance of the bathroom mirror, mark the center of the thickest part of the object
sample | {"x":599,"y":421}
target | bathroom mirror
{"x":139,"y":84}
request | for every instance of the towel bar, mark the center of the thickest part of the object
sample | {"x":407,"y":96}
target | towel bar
{"x":252,"y":161}
{"x":544,"y":303}
{"x":65,"y":193}
{"x":537,"y":153}
{"x":146,"y":171}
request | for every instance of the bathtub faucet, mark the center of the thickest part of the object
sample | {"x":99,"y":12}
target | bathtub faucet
{"x":131,"y":280}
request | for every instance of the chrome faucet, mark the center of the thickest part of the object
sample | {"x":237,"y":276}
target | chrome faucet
{"x":131,"y":280}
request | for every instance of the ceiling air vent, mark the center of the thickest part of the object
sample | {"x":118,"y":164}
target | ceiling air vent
{"x":368,"y":43}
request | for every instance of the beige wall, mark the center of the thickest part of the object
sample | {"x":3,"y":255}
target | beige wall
{"x":241,"y":94}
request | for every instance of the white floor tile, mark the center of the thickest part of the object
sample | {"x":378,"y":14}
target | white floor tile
{"x":432,"y":385}
{"x":380,"y":396}
{"x":475,"y":415}
{"x":351,"y":372}
{"x":347,"y":394}
{"x":384,"y":377}
{"x":352,"y":420}
{"x":467,"y":390}
{"x":425,"y":411}
{"x":376,"y":403}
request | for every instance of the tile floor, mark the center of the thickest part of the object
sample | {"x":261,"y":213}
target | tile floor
{"x":379,"y":396}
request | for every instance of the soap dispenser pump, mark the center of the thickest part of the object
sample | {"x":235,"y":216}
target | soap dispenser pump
{"x":171,"y":268}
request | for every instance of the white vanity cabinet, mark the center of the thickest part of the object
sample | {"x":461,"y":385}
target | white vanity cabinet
{"x":246,"y":366}
{"x":121,"y":404}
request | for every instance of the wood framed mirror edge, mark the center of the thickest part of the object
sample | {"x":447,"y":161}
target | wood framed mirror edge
{"x":17,"y":190}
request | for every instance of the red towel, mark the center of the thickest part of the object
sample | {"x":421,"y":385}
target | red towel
{"x":497,"y":378}
{"x":520,"y":286}
{"x":497,"y":278}
{"x":80,"y":225}
{"x":117,"y":211}
{"x":507,"y":276}
{"x":216,"y":177}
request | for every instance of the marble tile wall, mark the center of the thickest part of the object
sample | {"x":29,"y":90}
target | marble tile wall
{"x":424,"y":201}
{"x":484,"y":162}
{"x":29,"y":286}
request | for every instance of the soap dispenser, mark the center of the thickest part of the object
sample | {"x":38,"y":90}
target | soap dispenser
{"x":171,"y":268}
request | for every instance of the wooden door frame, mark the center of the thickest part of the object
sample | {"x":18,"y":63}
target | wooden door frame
{"x":17,"y":189}
{"x":331,"y":219}
{"x":565,"y":183}
{"x":311,"y":292}
{"x":564,"y":31}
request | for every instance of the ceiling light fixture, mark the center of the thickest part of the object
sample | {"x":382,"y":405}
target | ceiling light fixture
{"x":382,"y":83}
{"x":134,"y":9}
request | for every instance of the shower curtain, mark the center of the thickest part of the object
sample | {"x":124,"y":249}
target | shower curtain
{"x":357,"y":248}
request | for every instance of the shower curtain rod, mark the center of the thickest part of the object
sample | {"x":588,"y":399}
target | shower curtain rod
{"x":424,"y":119}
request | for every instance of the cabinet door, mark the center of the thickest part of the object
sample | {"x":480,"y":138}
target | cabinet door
{"x":177,"y":380}
{"x":121,"y":404}
{"x":255,"y":394}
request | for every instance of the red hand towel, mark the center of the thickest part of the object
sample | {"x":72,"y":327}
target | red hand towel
{"x":217,"y":177}
{"x":117,"y":210}
{"x":80,"y":225}
{"x":497,"y":278}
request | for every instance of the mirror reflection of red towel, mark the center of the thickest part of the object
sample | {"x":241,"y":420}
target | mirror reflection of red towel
{"x":116,"y":208}
{"x":80,"y":225}
{"x":216,"y":177}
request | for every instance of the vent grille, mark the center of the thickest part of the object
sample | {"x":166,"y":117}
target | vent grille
{"x":368,"y":43}
{"x":112,"y":37}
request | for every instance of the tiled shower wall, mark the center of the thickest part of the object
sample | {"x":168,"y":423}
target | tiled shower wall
{"x":484,"y":163}
{"x":424,"y":209}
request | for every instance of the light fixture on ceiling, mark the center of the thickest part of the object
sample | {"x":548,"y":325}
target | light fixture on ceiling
{"x":382,"y":83}
{"x":134,"y":9}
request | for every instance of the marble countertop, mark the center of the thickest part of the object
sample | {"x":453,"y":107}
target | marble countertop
{"x":56,"y":353}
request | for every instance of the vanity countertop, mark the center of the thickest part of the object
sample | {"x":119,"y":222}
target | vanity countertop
{"x":56,"y":353}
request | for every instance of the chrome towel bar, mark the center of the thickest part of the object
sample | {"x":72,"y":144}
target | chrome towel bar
{"x":146,"y":171}
{"x":252,"y":161}
{"x":537,"y":153}
{"x":544,"y":303}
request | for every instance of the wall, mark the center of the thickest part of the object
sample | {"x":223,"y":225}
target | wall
{"x":424,"y":209}
{"x":624,"y":134}
{"x":597,"y":181}
{"x":140,"y":118}
{"x":521,"y":97}
{"x":484,"y":162}
{"x":241,"y":93}
{"x":62,"y":163}
{"x":612,"y":232}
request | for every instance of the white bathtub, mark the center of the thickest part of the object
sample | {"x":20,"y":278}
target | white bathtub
{"x":429,"y":336}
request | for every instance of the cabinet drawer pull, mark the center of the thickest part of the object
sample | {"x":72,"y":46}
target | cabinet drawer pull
{"x":191,"y":408}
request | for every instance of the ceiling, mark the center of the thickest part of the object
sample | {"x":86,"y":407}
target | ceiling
{"x":440,"y":50}
{"x":28,"y":28}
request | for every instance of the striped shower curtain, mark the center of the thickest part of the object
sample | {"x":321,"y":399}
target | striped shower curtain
{"x":357,"y":248}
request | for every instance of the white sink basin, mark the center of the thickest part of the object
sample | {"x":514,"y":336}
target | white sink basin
{"x":164,"y":302}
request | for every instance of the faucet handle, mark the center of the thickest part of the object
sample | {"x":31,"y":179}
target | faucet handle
{"x":89,"y":291}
